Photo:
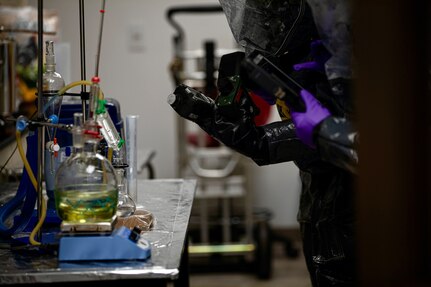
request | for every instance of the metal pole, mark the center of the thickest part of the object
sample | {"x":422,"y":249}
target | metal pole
{"x":82,"y":49}
{"x":102,"y":17}
{"x":40,"y":130}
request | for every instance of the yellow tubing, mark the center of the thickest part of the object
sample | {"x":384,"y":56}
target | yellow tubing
{"x":78,"y":83}
{"x":34,"y":182}
{"x":24,"y":159}
{"x":110,"y":154}
{"x":38,"y":225}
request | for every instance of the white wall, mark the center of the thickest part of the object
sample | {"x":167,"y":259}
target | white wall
{"x":140,"y":80}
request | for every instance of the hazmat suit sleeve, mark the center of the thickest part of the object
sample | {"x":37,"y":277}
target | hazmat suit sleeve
{"x":272,"y":143}
{"x":336,"y":141}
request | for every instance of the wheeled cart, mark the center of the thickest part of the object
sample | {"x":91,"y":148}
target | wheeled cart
{"x":223,"y":223}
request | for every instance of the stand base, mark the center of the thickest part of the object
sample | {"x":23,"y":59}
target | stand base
{"x":73,"y":227}
{"x":122,"y":244}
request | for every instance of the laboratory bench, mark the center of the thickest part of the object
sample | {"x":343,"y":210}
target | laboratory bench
{"x":169,"y":200}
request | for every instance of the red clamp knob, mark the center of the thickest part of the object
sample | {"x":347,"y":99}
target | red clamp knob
{"x":56,"y":147}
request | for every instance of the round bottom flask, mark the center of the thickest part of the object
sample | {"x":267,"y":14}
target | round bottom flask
{"x":126,"y":206}
{"x":86,"y":189}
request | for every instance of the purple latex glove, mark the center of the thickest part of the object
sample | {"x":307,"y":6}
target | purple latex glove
{"x":305,"y":122}
{"x":320,"y":56}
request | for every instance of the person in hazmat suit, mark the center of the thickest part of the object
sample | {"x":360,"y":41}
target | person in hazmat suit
{"x":287,"y":32}
{"x":334,"y":136}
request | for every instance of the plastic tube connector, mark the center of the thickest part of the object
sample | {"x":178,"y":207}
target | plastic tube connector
{"x":21,"y":123}
{"x":121,"y":143}
{"x":53,"y":119}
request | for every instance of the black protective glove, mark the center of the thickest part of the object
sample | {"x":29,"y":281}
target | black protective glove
{"x":272,"y":143}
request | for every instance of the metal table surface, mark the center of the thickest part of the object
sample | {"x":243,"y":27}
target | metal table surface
{"x":169,"y":200}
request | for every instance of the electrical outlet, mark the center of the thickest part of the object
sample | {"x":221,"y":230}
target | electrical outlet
{"x":136,"y":39}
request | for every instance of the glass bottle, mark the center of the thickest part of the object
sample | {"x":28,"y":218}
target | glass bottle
{"x":86,"y":188}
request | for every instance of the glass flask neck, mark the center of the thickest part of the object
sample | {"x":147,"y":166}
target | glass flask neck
{"x":121,"y":180}
{"x":90,"y":146}
{"x":49,"y":56}
{"x":50,"y":68}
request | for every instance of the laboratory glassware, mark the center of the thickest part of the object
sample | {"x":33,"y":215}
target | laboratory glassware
{"x":86,"y":188}
{"x":108,"y":129}
{"x":126,"y":206}
{"x":132,"y":155}
{"x":52,"y":83}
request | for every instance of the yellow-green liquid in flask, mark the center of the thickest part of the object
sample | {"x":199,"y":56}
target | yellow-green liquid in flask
{"x":86,"y":203}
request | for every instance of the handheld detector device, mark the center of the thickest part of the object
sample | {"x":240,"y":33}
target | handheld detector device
{"x":273,"y":80}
